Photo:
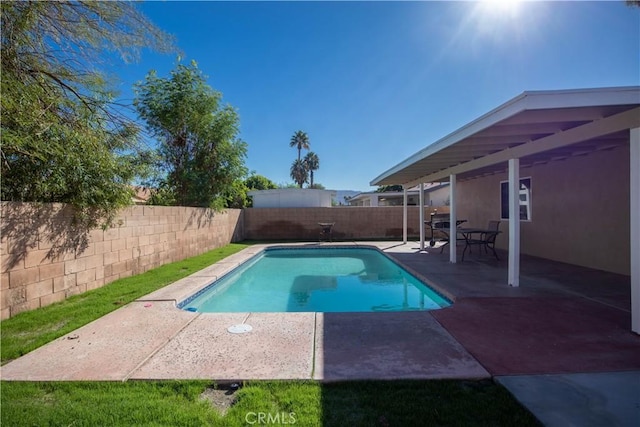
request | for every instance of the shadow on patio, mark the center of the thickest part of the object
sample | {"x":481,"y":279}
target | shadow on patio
{"x":563,"y":318}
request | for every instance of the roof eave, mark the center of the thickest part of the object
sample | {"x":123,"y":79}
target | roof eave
{"x":529,"y":100}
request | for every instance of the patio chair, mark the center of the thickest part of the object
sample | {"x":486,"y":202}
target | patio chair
{"x":485,"y":237}
{"x":326,"y":232}
{"x":490,"y":238}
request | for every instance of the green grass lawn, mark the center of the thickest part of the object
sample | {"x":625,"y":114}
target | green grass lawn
{"x":32,"y":329}
{"x":302,"y":403}
{"x":179,"y":403}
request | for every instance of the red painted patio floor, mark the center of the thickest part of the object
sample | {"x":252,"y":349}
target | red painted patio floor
{"x":511,"y":336}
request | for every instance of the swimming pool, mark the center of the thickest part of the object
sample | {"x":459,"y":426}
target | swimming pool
{"x":325,"y":279}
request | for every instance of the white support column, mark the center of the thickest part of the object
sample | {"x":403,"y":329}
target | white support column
{"x":514,"y":222}
{"x":405,"y":203}
{"x":634,"y":215}
{"x":453,"y":233}
{"x":421,"y":215}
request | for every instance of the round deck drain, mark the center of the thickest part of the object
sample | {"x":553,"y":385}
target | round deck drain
{"x":240,"y":329}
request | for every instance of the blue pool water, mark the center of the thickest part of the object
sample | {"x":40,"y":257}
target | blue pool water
{"x":318,"y":279}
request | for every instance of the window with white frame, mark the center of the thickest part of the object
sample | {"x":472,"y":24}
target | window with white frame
{"x":524,"y":196}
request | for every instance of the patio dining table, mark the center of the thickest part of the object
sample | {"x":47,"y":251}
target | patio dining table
{"x":485,"y":237}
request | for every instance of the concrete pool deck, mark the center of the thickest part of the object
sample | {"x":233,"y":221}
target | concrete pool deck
{"x":152,"y":339}
{"x":562,"y":323}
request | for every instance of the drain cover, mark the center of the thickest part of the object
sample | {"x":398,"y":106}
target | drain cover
{"x":239,"y":329}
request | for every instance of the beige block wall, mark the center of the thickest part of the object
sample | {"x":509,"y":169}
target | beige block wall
{"x":351,"y":223}
{"x":579,"y":210}
{"x":45,"y":259}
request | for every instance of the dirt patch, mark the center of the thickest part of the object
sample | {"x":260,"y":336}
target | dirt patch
{"x":221,"y":396}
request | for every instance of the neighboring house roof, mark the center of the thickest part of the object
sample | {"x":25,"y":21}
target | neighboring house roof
{"x":288,"y":191}
{"x":412,"y":191}
{"x":536,"y":127}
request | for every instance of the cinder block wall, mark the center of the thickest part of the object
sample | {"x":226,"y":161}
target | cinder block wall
{"x":46,"y":259}
{"x":350,"y":222}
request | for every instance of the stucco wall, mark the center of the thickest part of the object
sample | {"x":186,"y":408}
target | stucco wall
{"x":45,"y":259}
{"x":350,"y":222}
{"x":580,"y":210}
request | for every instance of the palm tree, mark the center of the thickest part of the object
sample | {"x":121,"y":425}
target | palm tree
{"x":312,"y":162}
{"x":300,"y":140}
{"x":299,"y":172}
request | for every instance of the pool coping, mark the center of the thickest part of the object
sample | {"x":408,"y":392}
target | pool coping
{"x":151,"y":338}
{"x":191,"y":286}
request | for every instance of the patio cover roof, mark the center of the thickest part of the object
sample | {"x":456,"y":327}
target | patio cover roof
{"x":536,"y":127}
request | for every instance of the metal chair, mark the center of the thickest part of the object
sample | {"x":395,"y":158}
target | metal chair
{"x":326,"y":232}
{"x":489,"y":239}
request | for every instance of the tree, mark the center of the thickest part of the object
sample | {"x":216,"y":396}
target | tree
{"x":63,"y":139}
{"x":312,"y":163}
{"x":299,"y":172}
{"x":199,"y":145}
{"x":235,"y":195}
{"x":259,"y":182}
{"x":299,"y":140}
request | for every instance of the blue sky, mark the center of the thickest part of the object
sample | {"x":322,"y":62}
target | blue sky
{"x":374,"y":82}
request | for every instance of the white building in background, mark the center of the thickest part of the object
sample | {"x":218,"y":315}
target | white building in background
{"x":292,"y":198}
{"x":436,"y":194}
